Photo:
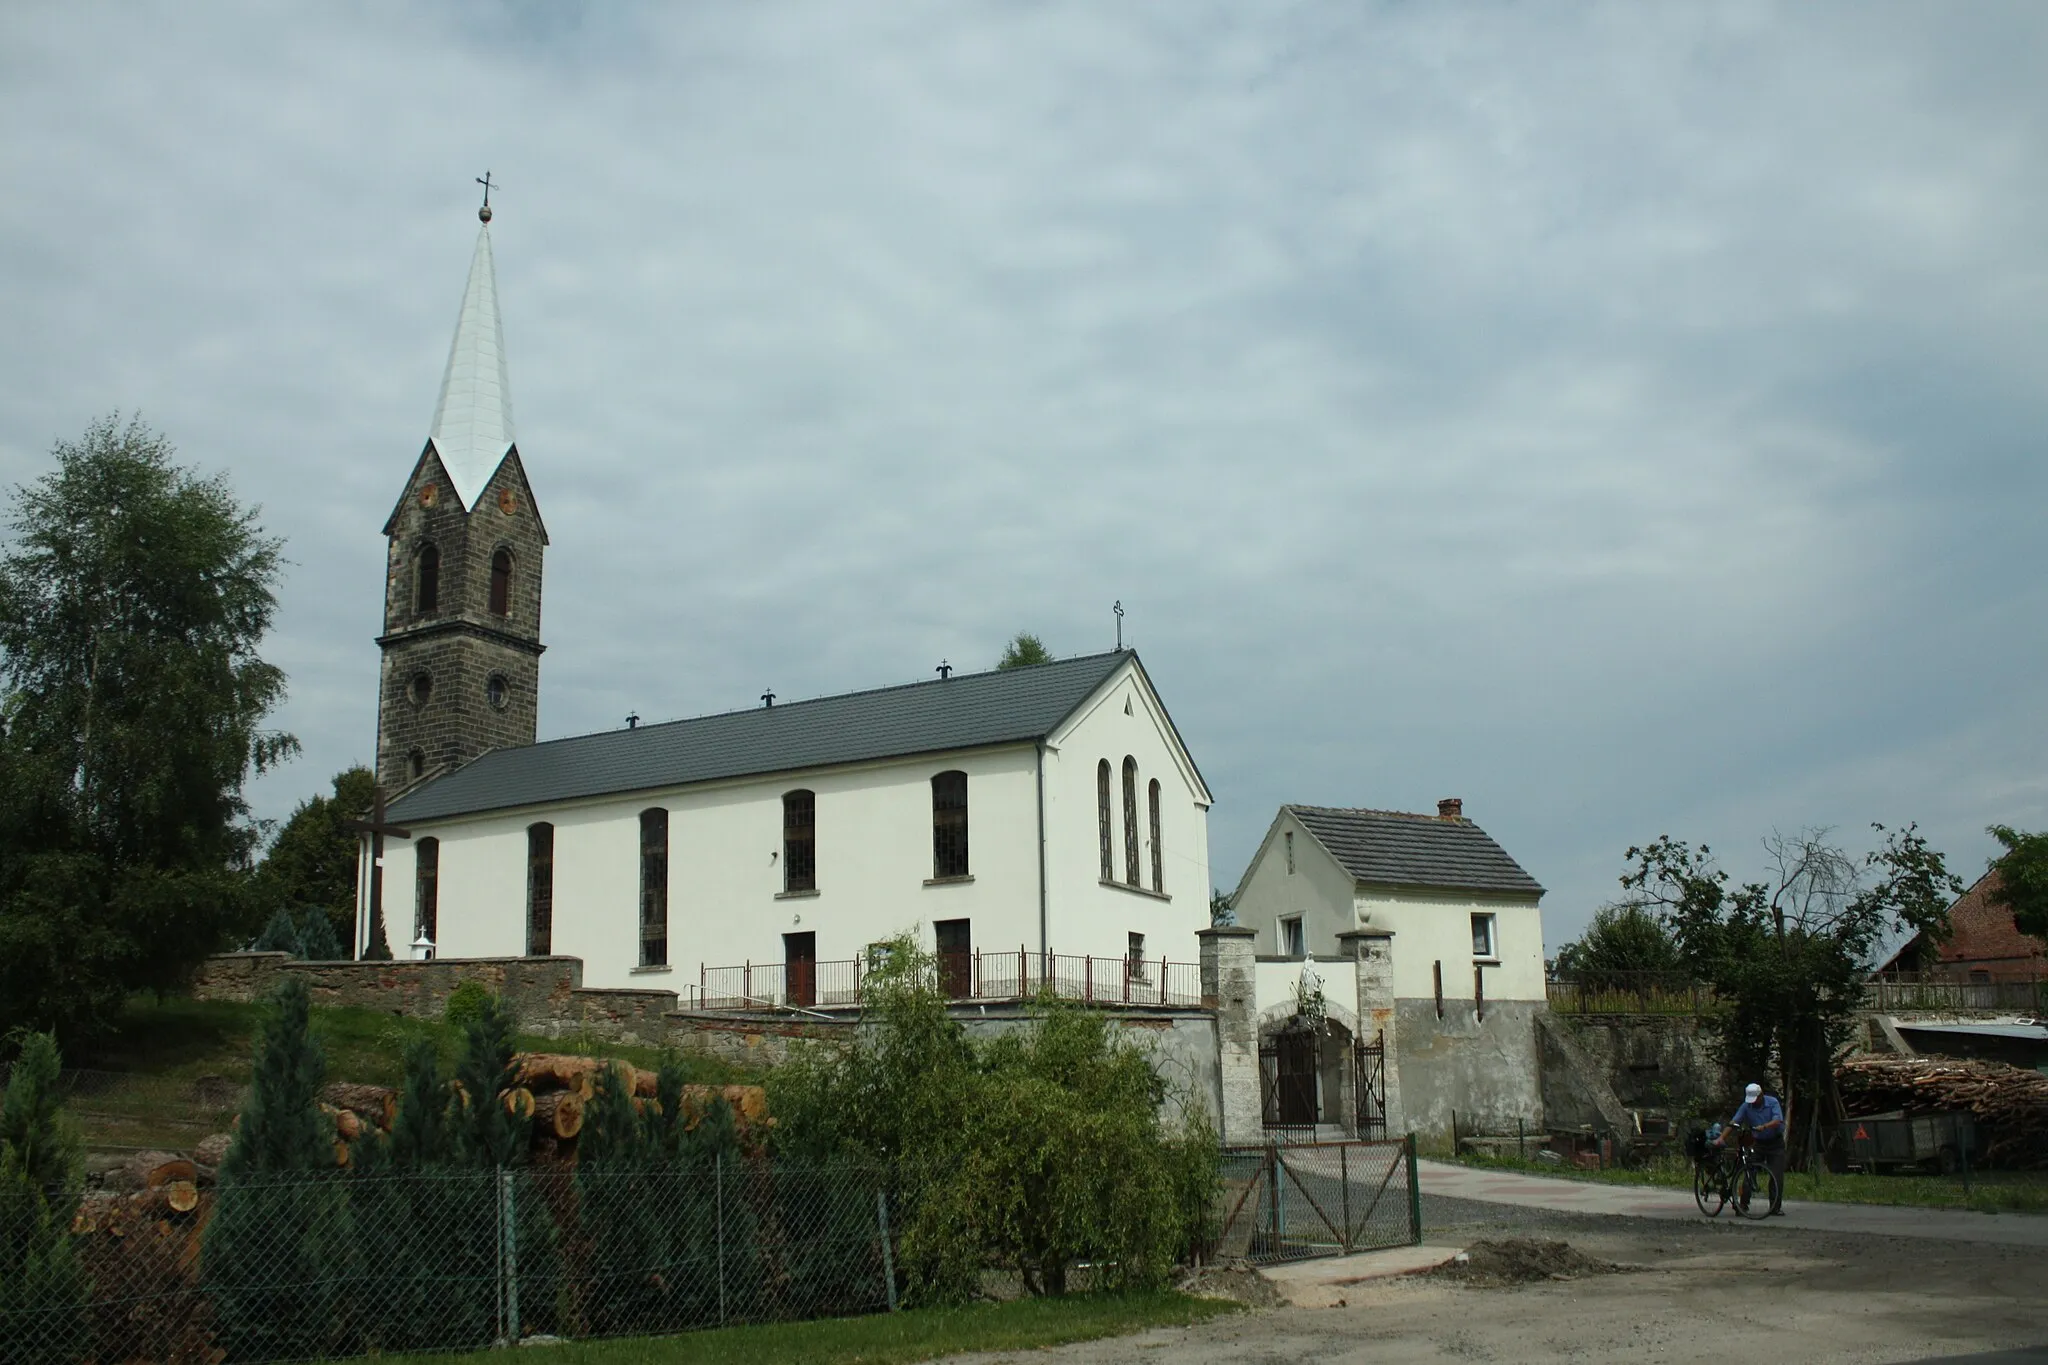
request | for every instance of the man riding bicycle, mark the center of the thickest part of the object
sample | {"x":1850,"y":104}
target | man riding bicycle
{"x":1765,"y":1118}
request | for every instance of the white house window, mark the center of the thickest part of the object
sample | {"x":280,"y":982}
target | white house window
{"x":1130,"y":821}
{"x":799,"y":841}
{"x":654,"y":887}
{"x":1292,"y":942}
{"x":949,"y":825}
{"x":1134,"y":958}
{"x":1482,"y":936}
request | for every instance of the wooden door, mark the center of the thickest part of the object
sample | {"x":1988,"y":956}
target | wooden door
{"x":956,"y":958}
{"x":800,"y":968}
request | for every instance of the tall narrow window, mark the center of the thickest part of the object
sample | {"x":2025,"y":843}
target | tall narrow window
{"x":654,"y":888}
{"x":1130,"y":821}
{"x":799,"y":841}
{"x":427,"y":579}
{"x":426,"y":894}
{"x":540,"y":890}
{"x":501,"y":583}
{"x":949,"y":825}
{"x":1102,"y":819}
{"x":1158,"y":854}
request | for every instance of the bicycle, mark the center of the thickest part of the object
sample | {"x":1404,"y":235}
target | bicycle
{"x":1738,"y":1176}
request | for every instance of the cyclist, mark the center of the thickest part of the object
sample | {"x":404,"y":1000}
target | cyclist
{"x":1766,"y":1120}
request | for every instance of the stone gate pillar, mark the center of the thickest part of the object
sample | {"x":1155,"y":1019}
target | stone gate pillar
{"x":1372,"y":955}
{"x":1230,"y":987}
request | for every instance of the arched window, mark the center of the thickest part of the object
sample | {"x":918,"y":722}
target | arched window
{"x":1130,"y":821}
{"x":799,"y":841}
{"x":1102,"y":820}
{"x":426,"y":895}
{"x":427,"y":580}
{"x":949,"y":825}
{"x":540,"y":889}
{"x":501,"y":583}
{"x":416,"y":764}
{"x":654,"y":888}
{"x":1158,"y":854}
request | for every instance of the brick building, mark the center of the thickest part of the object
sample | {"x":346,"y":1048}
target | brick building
{"x":1985,"y":945}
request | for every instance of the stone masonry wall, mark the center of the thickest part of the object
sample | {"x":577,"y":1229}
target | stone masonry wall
{"x":540,"y":990}
{"x":1656,"y":1061}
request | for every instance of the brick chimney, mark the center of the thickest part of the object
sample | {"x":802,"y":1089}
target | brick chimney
{"x":1450,"y":808}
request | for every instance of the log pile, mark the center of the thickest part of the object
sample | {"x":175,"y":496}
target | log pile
{"x":559,"y":1087}
{"x":2009,"y":1103}
{"x":140,"y":1246}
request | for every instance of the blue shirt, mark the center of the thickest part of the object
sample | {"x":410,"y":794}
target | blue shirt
{"x":1765,"y":1110}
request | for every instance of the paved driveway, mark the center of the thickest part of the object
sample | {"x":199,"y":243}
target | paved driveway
{"x":1649,"y":1201}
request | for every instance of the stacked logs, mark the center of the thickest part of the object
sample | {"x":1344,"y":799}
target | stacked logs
{"x":556,"y":1088}
{"x":138,"y":1237}
{"x":2009,"y":1103}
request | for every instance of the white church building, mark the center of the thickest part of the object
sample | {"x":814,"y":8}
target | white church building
{"x":1005,"y":818}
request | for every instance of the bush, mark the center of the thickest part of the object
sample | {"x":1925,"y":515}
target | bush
{"x":466,"y":1004}
{"x":42,"y":1290}
{"x":1032,"y":1152}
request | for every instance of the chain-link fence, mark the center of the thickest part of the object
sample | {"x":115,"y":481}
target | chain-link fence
{"x":324,"y":1267}
{"x":1287,"y":1202}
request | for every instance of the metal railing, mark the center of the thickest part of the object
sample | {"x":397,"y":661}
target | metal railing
{"x":1284,"y":1203}
{"x":1901,"y":993}
{"x":1628,"y":993}
{"x":976,"y":977}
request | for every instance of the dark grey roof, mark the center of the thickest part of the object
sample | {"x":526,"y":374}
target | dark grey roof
{"x":1394,"y":848}
{"x":963,"y":712}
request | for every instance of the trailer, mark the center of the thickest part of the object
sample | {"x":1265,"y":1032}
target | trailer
{"x":1945,"y":1142}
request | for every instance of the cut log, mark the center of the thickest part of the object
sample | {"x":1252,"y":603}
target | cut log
{"x":518,"y":1102}
{"x":646,"y":1084}
{"x":561,"y":1111}
{"x":375,"y":1104}
{"x":544,"y":1071}
{"x":148,"y":1170}
{"x":341,"y":1157}
{"x":348,"y":1125}
{"x":212,"y":1150}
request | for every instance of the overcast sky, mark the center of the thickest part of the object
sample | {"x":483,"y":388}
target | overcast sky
{"x":1628,"y":419}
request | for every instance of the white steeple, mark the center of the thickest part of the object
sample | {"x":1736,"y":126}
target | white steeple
{"x":473,"y":421}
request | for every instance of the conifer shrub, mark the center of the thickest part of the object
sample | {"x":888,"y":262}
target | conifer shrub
{"x":280,"y":1251}
{"x":43,"y":1291}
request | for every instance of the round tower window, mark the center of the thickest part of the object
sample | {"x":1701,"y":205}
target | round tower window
{"x":498,"y":690}
{"x":420,"y":688}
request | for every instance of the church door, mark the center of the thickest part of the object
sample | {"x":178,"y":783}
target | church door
{"x":800,"y":968}
{"x":956,"y":958}
{"x":1296,"y":1076}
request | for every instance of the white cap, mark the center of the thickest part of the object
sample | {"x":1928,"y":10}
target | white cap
{"x":1753,"y":1091}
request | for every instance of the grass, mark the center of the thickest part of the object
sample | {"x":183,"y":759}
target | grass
{"x":886,"y":1338}
{"x":162,"y":1048}
{"x":1989,"y":1192}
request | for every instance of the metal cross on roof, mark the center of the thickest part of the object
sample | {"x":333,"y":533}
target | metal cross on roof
{"x":485,"y":180}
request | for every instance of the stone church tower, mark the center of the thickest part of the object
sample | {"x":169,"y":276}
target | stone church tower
{"x":462,"y":584}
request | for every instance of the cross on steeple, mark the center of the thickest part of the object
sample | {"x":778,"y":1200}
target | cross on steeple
{"x":485,"y":180}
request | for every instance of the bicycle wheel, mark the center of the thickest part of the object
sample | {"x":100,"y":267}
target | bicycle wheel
{"x":1755,"y":1190}
{"x":1708,"y":1188}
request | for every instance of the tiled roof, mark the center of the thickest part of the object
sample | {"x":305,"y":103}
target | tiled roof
{"x":1394,"y":848}
{"x":1983,"y":931}
{"x":963,"y":712}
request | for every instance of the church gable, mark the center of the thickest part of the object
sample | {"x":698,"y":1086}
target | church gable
{"x":1129,"y":694}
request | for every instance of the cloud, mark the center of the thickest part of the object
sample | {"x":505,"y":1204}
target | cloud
{"x":1627,"y":419}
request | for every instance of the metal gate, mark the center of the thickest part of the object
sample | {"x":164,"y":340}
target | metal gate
{"x":1369,"y":1088}
{"x":1288,"y":1094}
{"x":1287,"y":1202}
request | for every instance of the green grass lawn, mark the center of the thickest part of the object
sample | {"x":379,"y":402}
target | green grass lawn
{"x":885,"y":1338}
{"x":1989,"y":1192}
{"x":162,"y":1048}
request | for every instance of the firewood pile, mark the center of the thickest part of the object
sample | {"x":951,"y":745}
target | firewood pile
{"x":138,"y":1238}
{"x":556,"y":1088}
{"x":2009,"y":1103}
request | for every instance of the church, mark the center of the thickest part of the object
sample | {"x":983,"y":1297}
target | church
{"x":1009,"y":819}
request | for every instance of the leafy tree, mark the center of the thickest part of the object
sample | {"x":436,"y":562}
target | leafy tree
{"x":1623,"y":941}
{"x":312,"y":861}
{"x":43,"y":1295}
{"x":1023,"y":651}
{"x":132,"y":601}
{"x":2023,"y":879}
{"x":1788,"y":955}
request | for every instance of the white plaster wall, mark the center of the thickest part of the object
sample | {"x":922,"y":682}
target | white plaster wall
{"x":1085,"y":917}
{"x":1436,"y":926}
{"x":1318,"y":890}
{"x":874,"y":855}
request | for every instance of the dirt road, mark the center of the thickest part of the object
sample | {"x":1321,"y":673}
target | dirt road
{"x":1703,"y":1291}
